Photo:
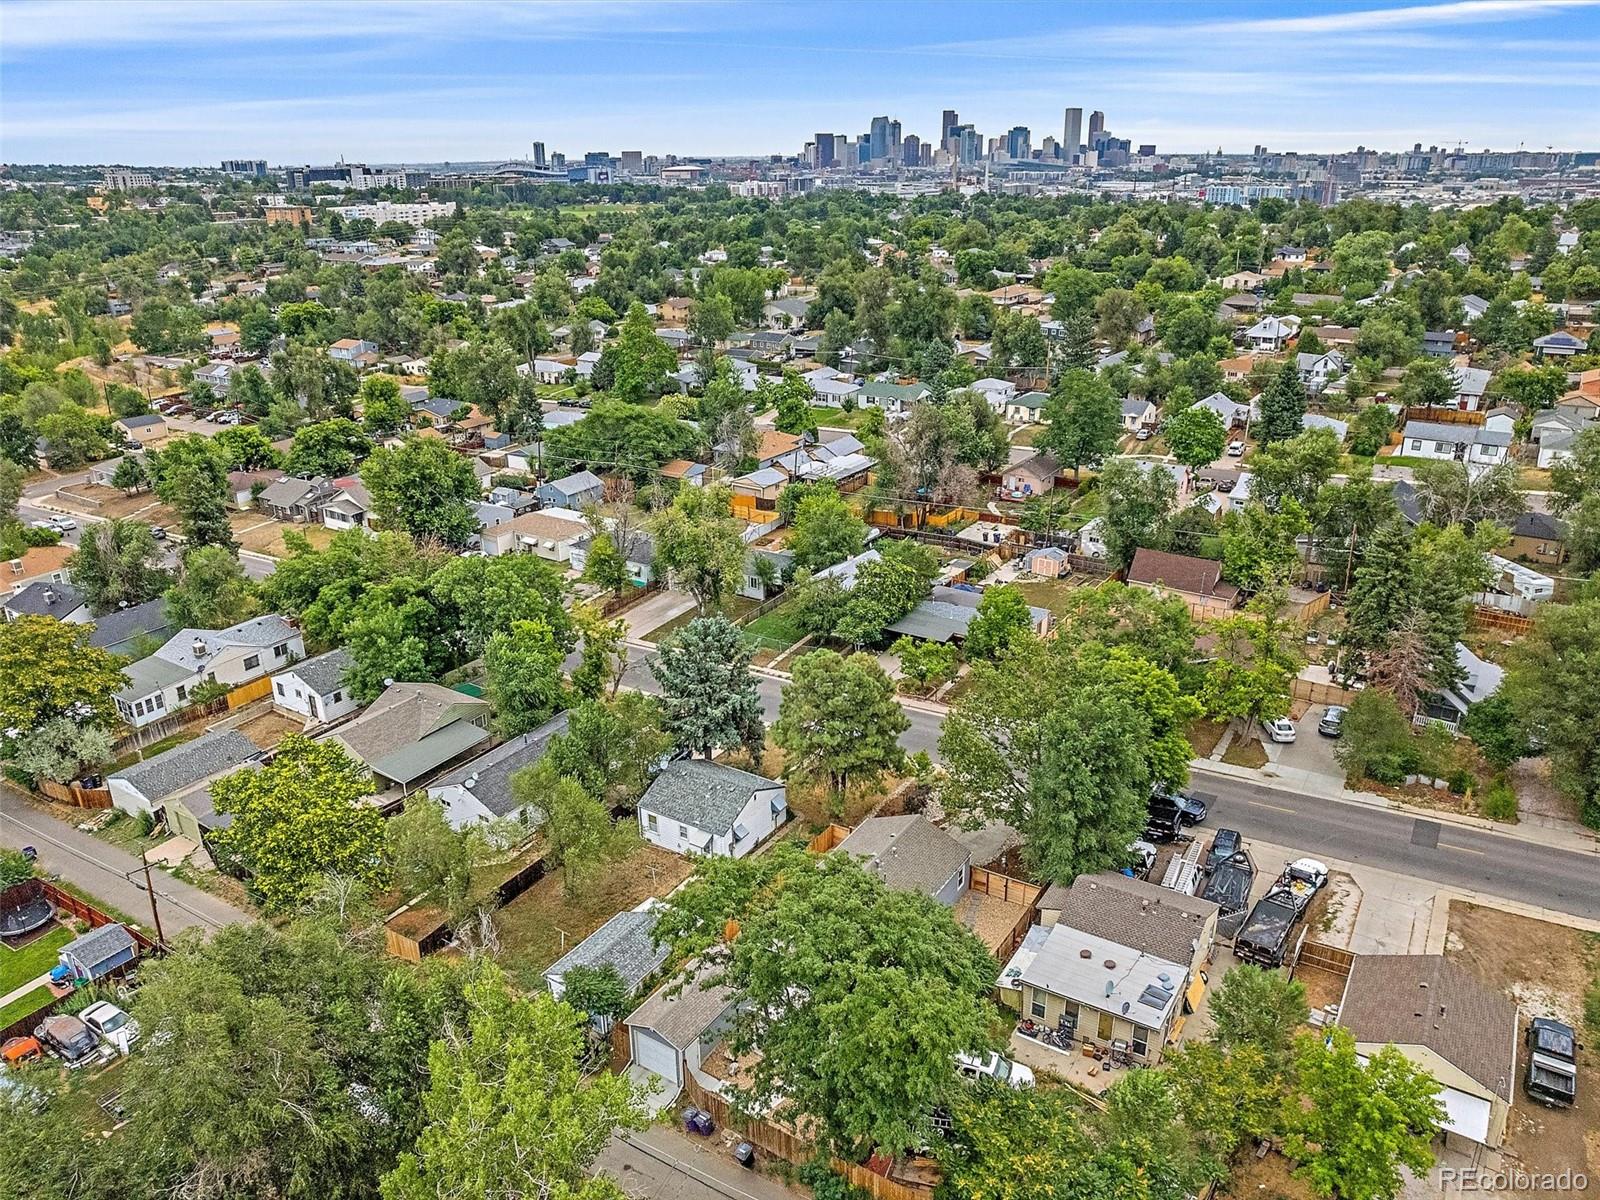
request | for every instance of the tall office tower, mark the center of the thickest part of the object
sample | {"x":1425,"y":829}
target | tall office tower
{"x":893,"y":147}
{"x":825,"y":150}
{"x":949,"y":122}
{"x":632,"y":161}
{"x":1050,"y":149}
{"x":1018,"y":141}
{"x":911,"y":151}
{"x":539,"y":160}
{"x":878,"y":138}
{"x":971,"y":145}
{"x":864,"y":150}
{"x":558,"y":161}
{"x":1097,"y":125}
{"x":1072,"y":134}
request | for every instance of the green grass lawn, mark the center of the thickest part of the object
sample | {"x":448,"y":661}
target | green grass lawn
{"x":1402,"y":460}
{"x":837,"y":418}
{"x":775,"y":630}
{"x":1047,"y":593}
{"x":735,"y":608}
{"x":28,"y":1002}
{"x":30,"y":961}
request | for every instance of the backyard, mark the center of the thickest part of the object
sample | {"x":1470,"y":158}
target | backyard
{"x":19,"y":965}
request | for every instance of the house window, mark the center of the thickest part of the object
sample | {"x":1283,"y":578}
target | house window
{"x":312,"y":700}
{"x":651,"y":823}
{"x":183,"y":692}
{"x":1036,"y":1007}
{"x":251,"y":663}
{"x":1141,"y":1041}
{"x":281,"y":651}
{"x":1416,"y":443}
{"x":161,"y":701}
{"x":683,"y":831}
{"x":278,"y":687}
{"x":338,"y":696}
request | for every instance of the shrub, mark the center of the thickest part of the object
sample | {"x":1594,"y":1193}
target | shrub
{"x":1460,"y":781}
{"x":1499,"y":802}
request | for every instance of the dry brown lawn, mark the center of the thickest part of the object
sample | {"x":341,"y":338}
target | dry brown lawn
{"x":264,"y":535}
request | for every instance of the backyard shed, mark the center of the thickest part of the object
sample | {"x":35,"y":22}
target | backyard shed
{"x":99,"y":953}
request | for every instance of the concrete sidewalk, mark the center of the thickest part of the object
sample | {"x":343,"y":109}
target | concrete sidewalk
{"x":108,"y":873}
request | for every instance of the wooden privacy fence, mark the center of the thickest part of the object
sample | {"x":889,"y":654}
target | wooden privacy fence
{"x":71,"y":793}
{"x":1004,"y":887}
{"x":828,"y":839}
{"x":248,"y":693}
{"x":769,"y":1137}
{"x":1444,"y":416}
{"x":1333,"y":959}
{"x":1320,"y":693}
{"x":1504,"y":622}
{"x":877,"y":1186}
{"x":71,"y":905}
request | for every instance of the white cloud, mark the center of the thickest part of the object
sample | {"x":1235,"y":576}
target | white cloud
{"x":1461,"y":12}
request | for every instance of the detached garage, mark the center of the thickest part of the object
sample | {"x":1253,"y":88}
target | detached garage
{"x":671,"y":1032}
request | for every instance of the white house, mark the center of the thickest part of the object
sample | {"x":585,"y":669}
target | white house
{"x":350,"y":507}
{"x":1477,"y":445}
{"x":350,"y":349}
{"x":699,"y":807}
{"x":1234,"y":415}
{"x":1027,"y":408}
{"x":145,"y":786}
{"x":164,"y":682}
{"x":998,"y":392}
{"x":1319,"y":370}
{"x":1471,"y":384}
{"x":480,"y":789}
{"x":314,"y":689}
{"x":1137,"y":412}
{"x":1271,"y":334}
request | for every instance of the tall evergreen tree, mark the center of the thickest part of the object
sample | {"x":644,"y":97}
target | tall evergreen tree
{"x":1283,"y":405}
{"x":708,"y":693}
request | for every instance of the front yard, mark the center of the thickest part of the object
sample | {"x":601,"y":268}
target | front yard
{"x":264,"y":535}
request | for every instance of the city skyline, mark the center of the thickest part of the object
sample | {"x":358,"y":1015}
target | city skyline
{"x":402,"y":82}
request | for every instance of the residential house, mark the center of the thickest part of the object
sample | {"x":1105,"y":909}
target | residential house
{"x":889,"y":396}
{"x":543,"y":533}
{"x":146,"y":786}
{"x":1240,"y":308}
{"x":1560,"y":344}
{"x":147,"y":428}
{"x":549,"y":370}
{"x":998,"y":392}
{"x":1480,"y":679}
{"x":129,"y":632}
{"x":1271,"y":334}
{"x":1243,"y":281}
{"x":576,"y":491}
{"x":413,"y":730}
{"x":348,"y":506}
{"x":1477,"y":445}
{"x":1318,"y":370}
{"x":702,"y":807}
{"x":911,"y":854}
{"x":586,"y":363}
{"x":216,"y":377}
{"x":314,"y":688}
{"x":947,"y":612}
{"x":38,"y":564}
{"x":1439,"y":343}
{"x":1026,"y":409}
{"x":1237,"y":370}
{"x":1195,"y":581}
{"x":1442,"y":1018}
{"x":670,"y":1034}
{"x":625,"y":944}
{"x":244,"y":486}
{"x":298,"y":500}
{"x":834,"y":392}
{"x":163,"y":683}
{"x":1033,"y":476}
{"x":786,"y":313}
{"x":350,"y":350}
{"x":479,"y":789}
{"x":684,"y":472}
{"x":1137,"y":413}
{"x":1461,"y":254}
{"x":1471,"y":384}
{"x":1474,"y":307}
{"x":675,"y":308}
{"x":1337,"y":337}
{"x":1133,"y":912}
{"x":1234,"y":415}
{"x":46,"y":599}
{"x":1538,"y":538}
{"x":775,"y":445}
{"x":1098,"y":990}
{"x":639,"y":556}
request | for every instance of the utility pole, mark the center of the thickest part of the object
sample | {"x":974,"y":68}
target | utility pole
{"x":155,"y":911}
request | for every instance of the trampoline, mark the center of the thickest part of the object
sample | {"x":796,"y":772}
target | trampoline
{"x":26,"y":913}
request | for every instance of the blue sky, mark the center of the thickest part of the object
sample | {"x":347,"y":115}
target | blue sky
{"x":193,"y":81}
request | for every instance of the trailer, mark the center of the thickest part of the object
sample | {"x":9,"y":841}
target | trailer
{"x":1264,"y":940}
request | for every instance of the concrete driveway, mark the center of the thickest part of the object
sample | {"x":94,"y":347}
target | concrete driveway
{"x":655,"y":612}
{"x":1310,"y":751}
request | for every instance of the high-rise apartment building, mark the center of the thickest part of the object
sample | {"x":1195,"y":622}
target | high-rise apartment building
{"x":911,"y":151}
{"x":539,"y":159}
{"x":1072,"y":134}
{"x":825,"y":151}
{"x":893,"y":148}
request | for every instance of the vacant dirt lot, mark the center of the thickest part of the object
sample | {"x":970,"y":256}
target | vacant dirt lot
{"x":265,"y":535}
{"x":268,"y":728}
{"x":1545,"y":968}
{"x":112,"y":502}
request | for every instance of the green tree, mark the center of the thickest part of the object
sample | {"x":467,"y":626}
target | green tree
{"x":1532,"y":389}
{"x":1249,"y":678}
{"x":1492,"y":725}
{"x":116,"y":564}
{"x":792,"y":399}
{"x":839,"y":721}
{"x":192,"y":478}
{"x":1375,"y":739}
{"x":888,"y":973}
{"x":1361,"y":1121}
{"x":329,"y":448}
{"x":1084,"y":417}
{"x":60,"y":750}
{"x":299,"y":818}
{"x":925,"y":664}
{"x":211,"y":592}
{"x":48,"y":669}
{"x":1261,"y":1010}
{"x":1283,"y":406}
{"x":1196,"y":437}
{"x":642,"y":360}
{"x":525,"y":682}
{"x":1295,"y":469}
{"x":12,"y":478}
{"x":1260,"y":546}
{"x":383,"y":408}
{"x":1428,"y":383}
{"x":709,"y":696}
{"x":826,"y":530}
{"x":701,"y":544}
{"x":1370,"y":431}
{"x":424,"y":488}
{"x":1002,"y":618}
{"x":1139,"y":504}
{"x":612,"y":747}
{"x":507,"y":1112}
{"x":1554,"y":688}
{"x":579,"y":835}
{"x":244,"y":448}
{"x":428,"y":857}
{"x":597,"y":991}
{"x":605,"y":566}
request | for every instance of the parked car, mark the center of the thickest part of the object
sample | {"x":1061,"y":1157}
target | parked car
{"x":159,"y":532}
{"x":1224,"y":846}
{"x":112,"y":1025}
{"x":1226,"y":485}
{"x":1164,"y":823}
{"x":1143,"y":855}
{"x":1552,"y":1063}
{"x":1192,"y":809}
{"x":1280,"y":729}
{"x":68,"y":1038}
{"x":63,"y":524}
{"x":1265,"y":936}
{"x":1143,"y":433}
{"x":1300,"y":882}
{"x":132,"y":447}
{"x":996,"y":1067}
{"x":1235,"y":449}
{"x":1332,"y":723}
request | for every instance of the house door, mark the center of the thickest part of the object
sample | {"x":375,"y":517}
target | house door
{"x":1104,"y":1031}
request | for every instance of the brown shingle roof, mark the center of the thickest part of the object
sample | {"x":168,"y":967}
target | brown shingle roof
{"x":1425,"y":1000}
{"x":1197,"y":576}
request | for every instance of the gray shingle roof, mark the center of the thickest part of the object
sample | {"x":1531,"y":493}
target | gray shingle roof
{"x":622,"y":942}
{"x":1133,"y":913}
{"x":908,"y":853}
{"x":125,"y":624}
{"x":99,"y":944}
{"x":491,"y":772}
{"x":325,"y":672}
{"x":182,"y":766}
{"x":45,"y":599}
{"x":1425,"y":1000}
{"x":705,"y":795}
{"x":680,"y":1011}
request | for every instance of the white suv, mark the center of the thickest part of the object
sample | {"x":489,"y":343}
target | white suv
{"x":111,"y":1025}
{"x":993,"y":1066}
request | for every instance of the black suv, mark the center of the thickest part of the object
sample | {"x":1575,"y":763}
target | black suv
{"x":1552,"y":1063}
{"x":1191,"y":809}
